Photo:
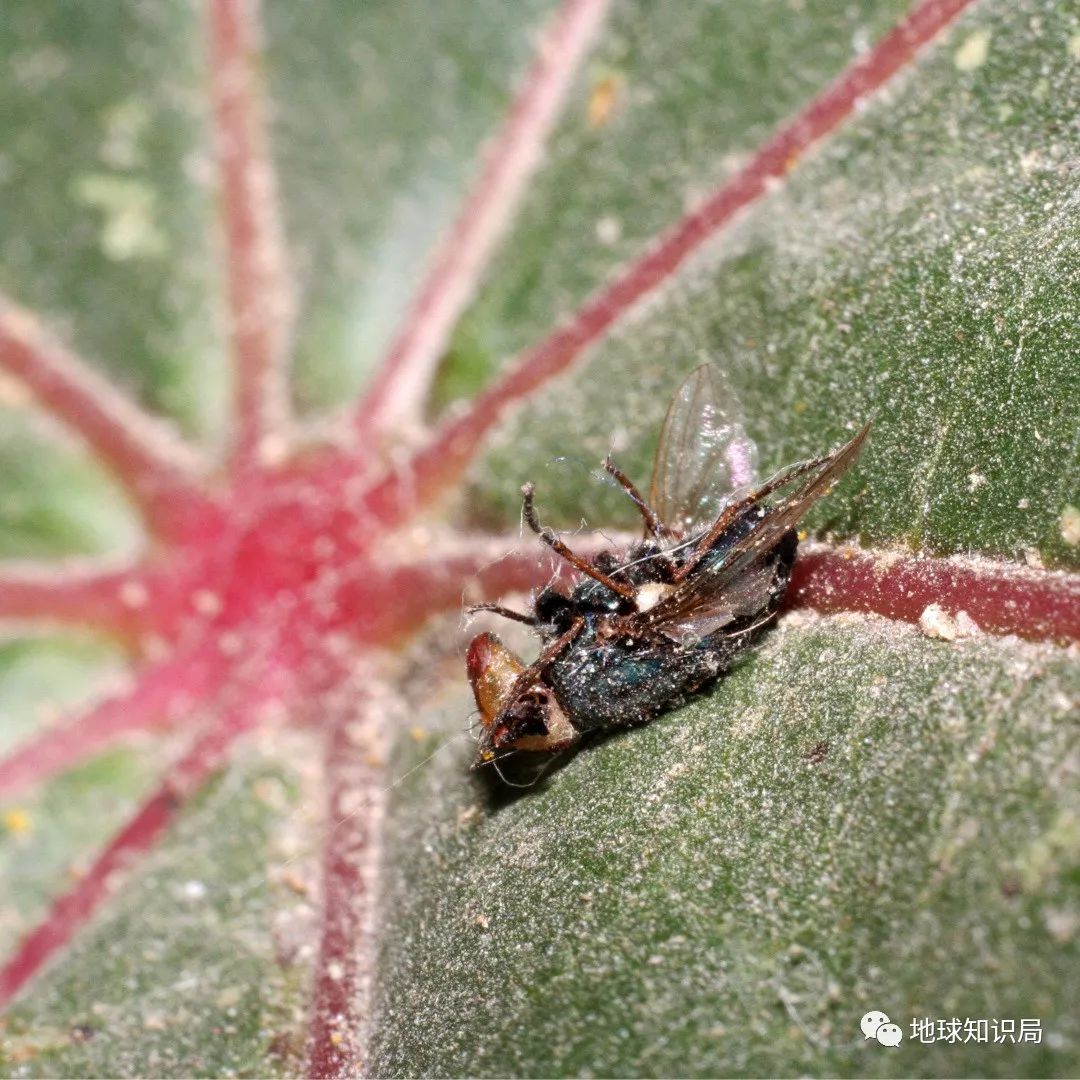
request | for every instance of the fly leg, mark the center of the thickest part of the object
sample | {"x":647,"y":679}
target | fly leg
{"x":532,"y":673}
{"x":653,"y":524}
{"x":620,"y":588}
{"x":505,"y":612}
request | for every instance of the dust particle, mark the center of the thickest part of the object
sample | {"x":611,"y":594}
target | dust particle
{"x":1062,"y":923}
{"x":1070,"y":525}
{"x":608,"y":230}
{"x":294,"y":883}
{"x":1034,"y":559}
{"x":194,"y":890}
{"x":602,"y":100}
{"x":936,"y":622}
{"x":972,"y":52}
{"x":16,"y":822}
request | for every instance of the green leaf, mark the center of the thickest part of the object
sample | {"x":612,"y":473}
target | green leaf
{"x":46,"y":835}
{"x":103,"y":181}
{"x":196,"y":970}
{"x":857,"y":818}
{"x":375,"y":153}
{"x":107,"y":181}
{"x":918,"y":270}
{"x":54,"y":501}
{"x":695,"y":90}
{"x":40,"y":678}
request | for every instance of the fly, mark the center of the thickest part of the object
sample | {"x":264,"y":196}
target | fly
{"x":645,"y":627}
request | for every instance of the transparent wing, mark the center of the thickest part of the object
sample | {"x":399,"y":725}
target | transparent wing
{"x":701,"y":612}
{"x":703,"y":455}
{"x":738,"y":584}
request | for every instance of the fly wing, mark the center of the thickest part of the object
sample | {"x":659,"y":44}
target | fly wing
{"x":738,"y":584}
{"x":703,"y":454}
{"x":702,"y":612}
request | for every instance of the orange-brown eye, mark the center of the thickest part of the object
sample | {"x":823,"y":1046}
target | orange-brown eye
{"x":493,"y":670}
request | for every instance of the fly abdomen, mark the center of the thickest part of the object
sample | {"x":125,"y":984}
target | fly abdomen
{"x":613,"y":684}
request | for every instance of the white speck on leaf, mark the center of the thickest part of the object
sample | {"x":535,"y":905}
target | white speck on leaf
{"x":936,"y":622}
{"x":608,"y":230}
{"x":973,"y":51}
{"x":194,"y":890}
{"x":1070,"y":525}
{"x":1062,"y":923}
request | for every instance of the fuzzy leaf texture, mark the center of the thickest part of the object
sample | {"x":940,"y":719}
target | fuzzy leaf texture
{"x":238,"y":833}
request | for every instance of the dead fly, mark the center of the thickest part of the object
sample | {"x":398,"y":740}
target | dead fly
{"x":643,"y":628}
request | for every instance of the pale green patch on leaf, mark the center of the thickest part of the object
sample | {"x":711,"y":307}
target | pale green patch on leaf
{"x":54,"y":500}
{"x":104,"y":179}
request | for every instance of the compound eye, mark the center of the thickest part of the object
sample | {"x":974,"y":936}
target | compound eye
{"x":493,"y":670}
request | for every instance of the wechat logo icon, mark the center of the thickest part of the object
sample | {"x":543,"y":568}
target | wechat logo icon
{"x":876,"y":1025}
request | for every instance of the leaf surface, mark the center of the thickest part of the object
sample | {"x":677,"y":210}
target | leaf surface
{"x":916,"y":270}
{"x":198,"y":969}
{"x":858,"y":818}
{"x":380,"y":111}
{"x":106,"y":197}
